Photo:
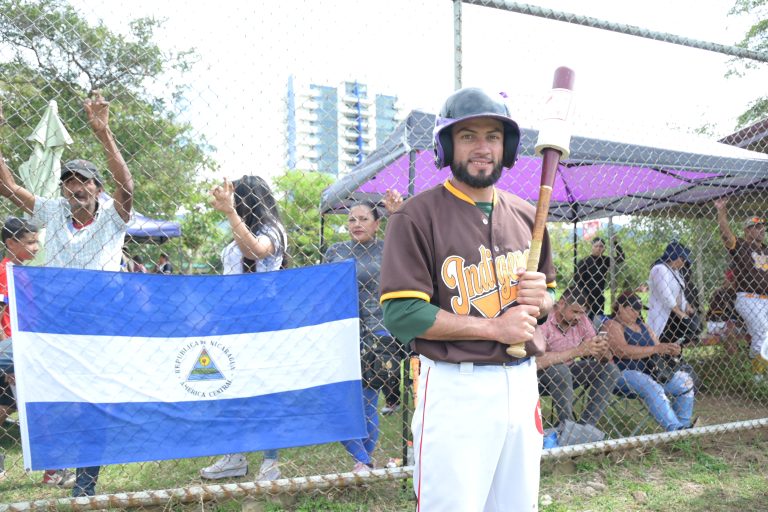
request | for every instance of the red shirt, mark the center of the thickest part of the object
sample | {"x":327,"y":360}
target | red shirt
{"x":5,"y":320}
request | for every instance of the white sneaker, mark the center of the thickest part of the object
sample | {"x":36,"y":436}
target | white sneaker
{"x":59,"y":478}
{"x":269,"y":470}
{"x":234,"y":464}
{"x":361,"y":467}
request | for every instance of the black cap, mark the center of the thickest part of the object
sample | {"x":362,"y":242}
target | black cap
{"x":83,"y":168}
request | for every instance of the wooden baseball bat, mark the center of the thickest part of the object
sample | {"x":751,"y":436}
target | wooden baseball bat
{"x":551,"y":152}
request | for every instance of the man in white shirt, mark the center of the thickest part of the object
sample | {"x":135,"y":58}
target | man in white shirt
{"x":83,"y":231}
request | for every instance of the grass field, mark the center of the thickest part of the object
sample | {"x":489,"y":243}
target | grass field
{"x":728,"y":472}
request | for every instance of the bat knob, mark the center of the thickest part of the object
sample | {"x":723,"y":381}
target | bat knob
{"x":517,"y":350}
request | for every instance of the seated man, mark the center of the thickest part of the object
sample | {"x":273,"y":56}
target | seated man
{"x":724,"y":325}
{"x":569,"y":335}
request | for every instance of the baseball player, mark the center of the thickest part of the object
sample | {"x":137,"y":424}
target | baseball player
{"x":453,"y":285}
{"x":749,"y":262}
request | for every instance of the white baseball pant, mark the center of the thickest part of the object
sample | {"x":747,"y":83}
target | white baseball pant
{"x":477,"y":437}
{"x":754,"y":311}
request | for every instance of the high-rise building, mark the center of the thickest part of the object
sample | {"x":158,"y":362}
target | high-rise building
{"x":332,"y":128}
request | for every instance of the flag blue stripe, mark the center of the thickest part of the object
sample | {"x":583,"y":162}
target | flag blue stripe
{"x":68,"y":434}
{"x":67,"y":301}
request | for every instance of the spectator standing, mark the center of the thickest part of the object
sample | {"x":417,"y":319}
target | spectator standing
{"x":83,"y":231}
{"x":376,"y":342}
{"x":669,"y":311}
{"x":454,"y":285}
{"x":570,"y":335}
{"x":20,"y":240}
{"x":634,"y":344}
{"x":164,"y":265}
{"x":260,"y":245}
{"x":749,"y":262}
{"x":592,"y":272}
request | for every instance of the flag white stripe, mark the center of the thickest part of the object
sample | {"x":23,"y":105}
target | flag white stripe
{"x":158,"y":369}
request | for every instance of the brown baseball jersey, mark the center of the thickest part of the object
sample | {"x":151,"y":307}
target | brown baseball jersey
{"x":749,"y":262}
{"x":440,"y":247}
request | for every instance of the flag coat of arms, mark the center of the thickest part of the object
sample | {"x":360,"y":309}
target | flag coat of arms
{"x":120,"y":367}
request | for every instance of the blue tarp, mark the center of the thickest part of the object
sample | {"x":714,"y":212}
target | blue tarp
{"x":142,"y":228}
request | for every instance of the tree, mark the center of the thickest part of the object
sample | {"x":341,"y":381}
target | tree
{"x":299,"y":205}
{"x":50,"y":51}
{"x":756,"y":39}
{"x":204,"y":237}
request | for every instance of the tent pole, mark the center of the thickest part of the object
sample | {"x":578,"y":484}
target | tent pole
{"x":575,"y":248}
{"x":322,"y":233}
{"x":612,"y":253}
{"x":411,"y":172}
{"x":457,"y":44}
{"x":699,"y":260}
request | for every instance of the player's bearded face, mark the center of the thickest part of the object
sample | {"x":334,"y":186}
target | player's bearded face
{"x":478,"y":147}
{"x":460,"y":171}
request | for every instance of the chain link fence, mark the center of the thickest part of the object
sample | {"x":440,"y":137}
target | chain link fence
{"x":332,"y":114}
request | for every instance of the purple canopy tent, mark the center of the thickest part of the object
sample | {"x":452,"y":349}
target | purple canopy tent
{"x":600,"y":178}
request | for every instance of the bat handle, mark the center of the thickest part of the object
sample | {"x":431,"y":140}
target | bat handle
{"x":517,"y":350}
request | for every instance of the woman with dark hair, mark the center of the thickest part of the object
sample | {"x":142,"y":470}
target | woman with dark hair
{"x":376,"y":343}
{"x":635,"y":347}
{"x":669,"y":312}
{"x":260,"y":240}
{"x":259,"y":245}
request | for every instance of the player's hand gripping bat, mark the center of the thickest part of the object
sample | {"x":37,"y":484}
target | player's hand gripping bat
{"x":553,"y":144}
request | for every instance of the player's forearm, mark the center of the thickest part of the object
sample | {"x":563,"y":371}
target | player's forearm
{"x":450,"y":326}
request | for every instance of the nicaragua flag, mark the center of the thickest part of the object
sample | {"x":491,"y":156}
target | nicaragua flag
{"x":121,"y":367}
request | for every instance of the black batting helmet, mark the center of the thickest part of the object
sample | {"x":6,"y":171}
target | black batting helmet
{"x":469,"y":103}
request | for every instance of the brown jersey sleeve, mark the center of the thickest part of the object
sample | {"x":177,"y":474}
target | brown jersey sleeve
{"x":406,"y":265}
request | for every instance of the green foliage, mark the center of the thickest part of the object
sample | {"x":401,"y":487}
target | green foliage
{"x":50,"y":52}
{"x":756,"y":39}
{"x":561,"y":241}
{"x":203,"y":236}
{"x":711,"y":465}
{"x":758,"y":109}
{"x":299,"y":203}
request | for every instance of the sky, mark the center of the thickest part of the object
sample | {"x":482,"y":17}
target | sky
{"x":627,"y":88}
